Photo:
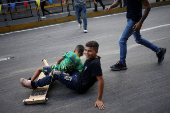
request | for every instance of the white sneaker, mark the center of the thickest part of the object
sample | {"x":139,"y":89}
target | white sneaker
{"x":43,"y":17}
{"x":80,"y":25}
{"x":85,"y":31}
{"x":26,"y":83}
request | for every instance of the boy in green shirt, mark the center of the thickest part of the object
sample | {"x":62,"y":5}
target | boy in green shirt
{"x":69,"y":62}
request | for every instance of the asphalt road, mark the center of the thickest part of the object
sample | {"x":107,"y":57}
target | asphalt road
{"x":143,"y":88}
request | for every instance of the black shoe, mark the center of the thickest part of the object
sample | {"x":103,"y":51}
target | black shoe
{"x":161,"y":54}
{"x":29,"y":78}
{"x":118,"y":66}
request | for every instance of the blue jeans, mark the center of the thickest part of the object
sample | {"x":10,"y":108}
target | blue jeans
{"x":138,"y":38}
{"x":68,"y":81}
{"x":81,"y":10}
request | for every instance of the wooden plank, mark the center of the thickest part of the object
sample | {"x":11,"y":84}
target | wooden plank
{"x":38,"y":95}
{"x":35,"y":100}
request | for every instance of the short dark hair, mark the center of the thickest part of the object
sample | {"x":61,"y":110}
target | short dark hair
{"x":93,"y":44}
{"x":80,"y":49}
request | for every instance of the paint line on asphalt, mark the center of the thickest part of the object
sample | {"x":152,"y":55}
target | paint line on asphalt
{"x":2,"y":59}
{"x":55,"y":25}
{"x":110,"y":15}
{"x":147,"y":29}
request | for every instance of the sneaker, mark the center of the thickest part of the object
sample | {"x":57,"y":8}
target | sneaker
{"x":80,"y":25}
{"x":161,"y":54}
{"x":26,"y":83}
{"x":43,"y":17}
{"x":118,"y":66}
{"x":85,"y":31}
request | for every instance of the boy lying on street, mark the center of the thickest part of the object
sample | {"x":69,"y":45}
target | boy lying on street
{"x":80,"y":82}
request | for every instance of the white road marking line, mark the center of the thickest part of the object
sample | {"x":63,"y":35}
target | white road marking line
{"x":110,"y":15}
{"x":147,"y":29}
{"x":2,"y":59}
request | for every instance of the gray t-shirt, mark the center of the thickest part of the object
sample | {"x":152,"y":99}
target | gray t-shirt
{"x":79,"y":2}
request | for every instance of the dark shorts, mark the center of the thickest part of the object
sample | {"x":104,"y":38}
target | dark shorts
{"x":48,"y":69}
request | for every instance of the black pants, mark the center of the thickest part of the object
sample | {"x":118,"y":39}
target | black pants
{"x":101,"y":3}
{"x":42,"y":8}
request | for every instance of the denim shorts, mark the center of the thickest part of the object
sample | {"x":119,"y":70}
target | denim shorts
{"x":48,"y":69}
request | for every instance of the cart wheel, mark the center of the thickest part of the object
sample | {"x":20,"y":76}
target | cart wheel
{"x":24,"y":101}
{"x":45,"y":100}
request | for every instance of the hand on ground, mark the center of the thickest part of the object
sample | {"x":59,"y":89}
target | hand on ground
{"x":99,"y":104}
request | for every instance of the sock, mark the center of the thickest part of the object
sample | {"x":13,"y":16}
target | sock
{"x":33,"y":85}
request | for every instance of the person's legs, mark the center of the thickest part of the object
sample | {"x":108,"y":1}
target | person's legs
{"x":95,"y":6}
{"x":44,"y":81}
{"x":8,"y":7}
{"x":160,"y":52}
{"x":42,"y":7}
{"x":45,"y":9}
{"x":83,"y":11}
{"x":46,"y":70}
{"x":101,"y":3}
{"x":121,"y":65}
{"x":123,"y":41}
{"x":142,"y":41}
{"x":78,"y":14}
{"x":36,"y":74}
{"x":68,"y":81}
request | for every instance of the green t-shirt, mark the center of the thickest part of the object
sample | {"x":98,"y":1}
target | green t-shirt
{"x":70,"y":62}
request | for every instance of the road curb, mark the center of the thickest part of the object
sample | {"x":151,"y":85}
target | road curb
{"x":68,"y":18}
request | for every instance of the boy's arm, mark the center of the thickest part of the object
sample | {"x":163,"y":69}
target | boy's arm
{"x":59,"y":60}
{"x":99,"y":102}
{"x":147,"y":5}
{"x":115,"y":4}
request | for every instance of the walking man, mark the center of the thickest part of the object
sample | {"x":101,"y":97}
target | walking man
{"x":135,"y":20}
{"x":80,"y":8}
{"x":95,"y":5}
{"x":43,"y":2}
